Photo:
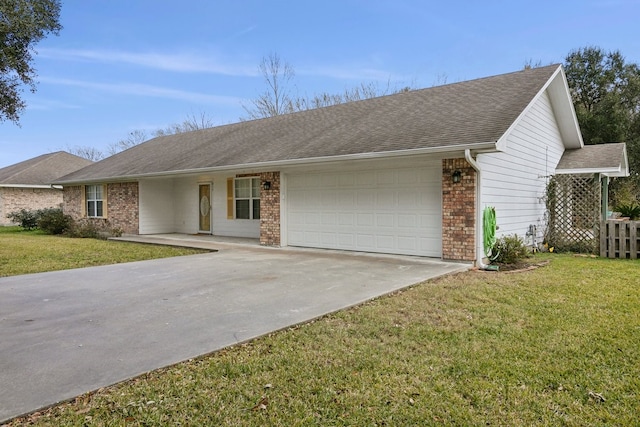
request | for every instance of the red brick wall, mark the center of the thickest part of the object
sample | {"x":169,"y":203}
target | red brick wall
{"x":122,"y":206}
{"x":270,"y":210}
{"x":458,"y":211}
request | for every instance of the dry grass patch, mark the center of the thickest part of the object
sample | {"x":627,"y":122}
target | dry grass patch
{"x":554,"y":346}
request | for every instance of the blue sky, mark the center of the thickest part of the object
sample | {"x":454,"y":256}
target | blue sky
{"x":125,"y":65}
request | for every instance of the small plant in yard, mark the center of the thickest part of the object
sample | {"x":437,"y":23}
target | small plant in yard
{"x":25,"y":218}
{"x":631,"y":211}
{"x":510,"y":250}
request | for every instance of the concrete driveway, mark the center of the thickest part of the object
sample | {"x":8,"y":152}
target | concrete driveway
{"x":69,"y":332}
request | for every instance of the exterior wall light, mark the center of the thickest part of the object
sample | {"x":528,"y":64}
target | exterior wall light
{"x":266,"y":185}
{"x":456,"y":176}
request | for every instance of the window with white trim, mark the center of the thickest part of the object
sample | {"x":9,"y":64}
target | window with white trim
{"x":247,"y":198}
{"x":94,"y":200}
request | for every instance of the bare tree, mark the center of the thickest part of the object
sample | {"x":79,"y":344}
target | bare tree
{"x":191,"y":123}
{"x":276,"y":99}
{"x":89,"y":153}
{"x":134,"y":138}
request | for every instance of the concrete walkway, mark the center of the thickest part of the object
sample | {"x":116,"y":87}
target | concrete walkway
{"x":66,"y":333}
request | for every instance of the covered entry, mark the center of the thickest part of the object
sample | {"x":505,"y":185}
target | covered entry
{"x":395,"y":211}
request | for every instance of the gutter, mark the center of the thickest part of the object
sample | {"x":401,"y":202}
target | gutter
{"x":479,"y":256}
{"x":485,"y":146}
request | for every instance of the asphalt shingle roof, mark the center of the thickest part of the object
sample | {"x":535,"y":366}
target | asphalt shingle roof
{"x":471,"y":112}
{"x":590,"y":157}
{"x":42,"y":170}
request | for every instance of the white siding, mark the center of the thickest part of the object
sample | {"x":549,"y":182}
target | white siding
{"x":229,"y":227}
{"x":185,"y":200}
{"x":156,"y":206}
{"x":514,"y":181}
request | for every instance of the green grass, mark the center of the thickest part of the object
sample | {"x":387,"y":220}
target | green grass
{"x":23,"y":252}
{"x":554,"y":346}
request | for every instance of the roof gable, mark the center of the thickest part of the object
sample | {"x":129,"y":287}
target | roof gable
{"x":557,"y":89}
{"x":42,"y":170}
{"x":444,"y":118}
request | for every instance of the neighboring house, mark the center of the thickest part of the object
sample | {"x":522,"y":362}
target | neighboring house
{"x":27,"y":185}
{"x":403,"y":174}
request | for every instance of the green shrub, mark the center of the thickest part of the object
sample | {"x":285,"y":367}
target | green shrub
{"x":53,"y":221}
{"x":509,"y":250}
{"x":27,"y":219}
{"x":93,"y":228}
{"x":631,"y":210}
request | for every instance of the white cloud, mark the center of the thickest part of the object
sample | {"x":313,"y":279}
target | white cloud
{"x":185,"y":62}
{"x":145,"y":90}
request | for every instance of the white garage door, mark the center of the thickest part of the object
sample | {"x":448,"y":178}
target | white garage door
{"x":396,"y":211}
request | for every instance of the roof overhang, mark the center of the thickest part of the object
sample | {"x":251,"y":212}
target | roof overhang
{"x":451,"y":151}
{"x":605,"y":159}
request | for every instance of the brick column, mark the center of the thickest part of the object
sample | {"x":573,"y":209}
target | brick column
{"x":458,"y":211}
{"x":122,"y":206}
{"x":270,"y":209}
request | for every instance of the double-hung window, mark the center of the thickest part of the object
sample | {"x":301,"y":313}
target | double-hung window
{"x":247,"y":198}
{"x":94,"y":198}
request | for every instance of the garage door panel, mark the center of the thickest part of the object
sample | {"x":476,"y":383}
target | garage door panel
{"x":386,"y":210}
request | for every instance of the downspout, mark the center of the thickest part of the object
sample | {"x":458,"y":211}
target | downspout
{"x":479,"y":249}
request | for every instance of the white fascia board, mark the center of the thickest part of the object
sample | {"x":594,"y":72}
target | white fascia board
{"x":476,"y":147}
{"x":28,"y":186}
{"x":613,"y":172}
{"x":562,"y":109}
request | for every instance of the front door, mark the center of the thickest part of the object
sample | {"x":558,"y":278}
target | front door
{"x":204,"y":208}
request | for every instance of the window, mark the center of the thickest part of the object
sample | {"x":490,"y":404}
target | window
{"x":95,"y":200}
{"x":247,"y":198}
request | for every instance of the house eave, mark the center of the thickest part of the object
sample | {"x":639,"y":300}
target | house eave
{"x":611,"y":172}
{"x":454,"y":150}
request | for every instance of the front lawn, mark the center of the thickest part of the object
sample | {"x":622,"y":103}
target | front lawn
{"x":553,"y":346}
{"x":23,"y":252}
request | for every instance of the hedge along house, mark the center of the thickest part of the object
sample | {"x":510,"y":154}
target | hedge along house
{"x":27,"y":185}
{"x":407,"y":173}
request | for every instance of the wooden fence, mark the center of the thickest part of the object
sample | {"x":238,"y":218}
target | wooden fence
{"x":620,"y":239}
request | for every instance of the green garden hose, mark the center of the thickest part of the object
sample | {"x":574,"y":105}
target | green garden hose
{"x":489,"y":229}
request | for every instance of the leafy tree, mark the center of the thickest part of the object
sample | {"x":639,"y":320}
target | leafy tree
{"x":605,"y":89}
{"x":606,"y":93}
{"x":23,"y":23}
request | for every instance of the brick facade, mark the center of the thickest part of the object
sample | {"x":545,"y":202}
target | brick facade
{"x":270,"y":209}
{"x":458,"y":211}
{"x":122,"y":206}
{"x":13,"y":199}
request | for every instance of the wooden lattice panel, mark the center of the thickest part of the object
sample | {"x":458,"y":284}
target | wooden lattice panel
{"x":573,"y":209}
